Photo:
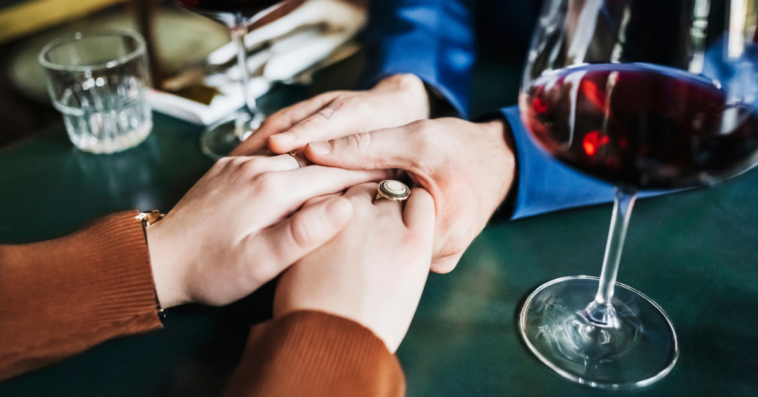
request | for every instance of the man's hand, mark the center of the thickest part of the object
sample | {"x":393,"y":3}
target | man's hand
{"x":467,"y":167}
{"x":395,"y":101}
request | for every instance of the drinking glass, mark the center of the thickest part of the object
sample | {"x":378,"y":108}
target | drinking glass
{"x":99,"y":81}
{"x":644,"y":95}
{"x":237,"y":15}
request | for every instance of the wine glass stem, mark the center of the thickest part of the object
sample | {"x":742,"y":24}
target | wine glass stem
{"x":601,"y":309}
{"x":238,"y":36}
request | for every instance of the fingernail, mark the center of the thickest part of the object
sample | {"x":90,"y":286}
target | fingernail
{"x":339,"y":211}
{"x":322,"y":147}
{"x":285,"y":136}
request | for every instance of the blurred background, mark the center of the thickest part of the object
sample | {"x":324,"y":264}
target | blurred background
{"x":181,"y":43}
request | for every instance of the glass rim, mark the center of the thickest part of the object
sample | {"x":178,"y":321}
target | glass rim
{"x":81,"y":35}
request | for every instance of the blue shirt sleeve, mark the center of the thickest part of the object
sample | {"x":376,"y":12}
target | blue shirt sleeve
{"x":433,"y":39}
{"x":545,"y":184}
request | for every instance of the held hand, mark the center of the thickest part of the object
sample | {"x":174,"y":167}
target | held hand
{"x":395,"y":101}
{"x":373,"y":272}
{"x":467,"y":167}
{"x":230,"y":233}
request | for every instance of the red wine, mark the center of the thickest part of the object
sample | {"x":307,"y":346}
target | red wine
{"x":225,"y":8}
{"x":641,"y":126}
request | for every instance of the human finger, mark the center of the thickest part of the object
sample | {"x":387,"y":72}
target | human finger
{"x":400,"y":147}
{"x":283,"y":120}
{"x":300,"y":158}
{"x":287,"y":242}
{"x":341,"y":117}
{"x":260,"y":164}
{"x":418,"y":214}
{"x":364,"y":191}
{"x":318,"y":200}
{"x":446,"y":264}
{"x":293,"y":188}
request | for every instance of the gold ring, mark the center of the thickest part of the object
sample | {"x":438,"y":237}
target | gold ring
{"x":392,"y":190}
{"x":299,"y":162}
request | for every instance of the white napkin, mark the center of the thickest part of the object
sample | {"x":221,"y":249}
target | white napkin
{"x":318,"y":33}
{"x":336,"y":14}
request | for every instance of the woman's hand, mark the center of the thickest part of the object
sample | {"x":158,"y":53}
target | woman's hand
{"x":467,"y":167}
{"x":395,"y":101}
{"x":373,"y":272}
{"x":230,"y":233}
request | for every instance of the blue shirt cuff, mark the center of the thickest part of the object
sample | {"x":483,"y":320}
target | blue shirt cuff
{"x":432,"y":39}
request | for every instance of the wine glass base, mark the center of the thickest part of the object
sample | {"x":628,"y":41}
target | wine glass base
{"x":639,"y":349}
{"x":220,"y":139}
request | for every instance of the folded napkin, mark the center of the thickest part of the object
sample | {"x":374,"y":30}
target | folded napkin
{"x":316,"y":34}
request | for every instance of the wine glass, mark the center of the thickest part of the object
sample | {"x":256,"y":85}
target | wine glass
{"x":644,"y":95}
{"x":221,"y":138}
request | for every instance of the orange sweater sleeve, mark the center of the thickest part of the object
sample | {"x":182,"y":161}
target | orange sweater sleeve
{"x":60,"y":297}
{"x":316,"y":354}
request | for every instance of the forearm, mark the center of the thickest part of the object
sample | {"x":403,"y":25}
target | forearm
{"x":314,"y":354}
{"x":60,"y":297}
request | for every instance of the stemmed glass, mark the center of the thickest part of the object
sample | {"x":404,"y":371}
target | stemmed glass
{"x":643,"y":95}
{"x":221,"y":138}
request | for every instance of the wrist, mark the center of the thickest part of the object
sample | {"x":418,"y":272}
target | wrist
{"x":164,"y":263}
{"x":502,"y":130}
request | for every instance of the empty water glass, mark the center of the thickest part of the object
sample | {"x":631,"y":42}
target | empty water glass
{"x":100,"y":81}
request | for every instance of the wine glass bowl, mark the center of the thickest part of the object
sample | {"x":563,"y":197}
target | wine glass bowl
{"x":641,"y":126}
{"x":643,"y":95}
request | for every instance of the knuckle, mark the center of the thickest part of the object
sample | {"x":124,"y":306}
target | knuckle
{"x":251,"y":167}
{"x":300,"y":234}
{"x":267,"y":182}
{"x":360,"y":142}
{"x":310,"y":126}
{"x":356,"y":102}
{"x":423,"y":130}
{"x":238,"y":161}
{"x":222,"y":163}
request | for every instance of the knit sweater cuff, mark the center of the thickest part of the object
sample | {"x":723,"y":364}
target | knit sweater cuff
{"x":310,"y":353}
{"x":88,"y":287}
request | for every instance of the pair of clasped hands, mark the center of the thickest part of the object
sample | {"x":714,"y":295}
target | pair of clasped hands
{"x":252,"y":218}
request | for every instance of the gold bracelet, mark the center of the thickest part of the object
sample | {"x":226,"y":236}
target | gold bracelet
{"x":150,"y":218}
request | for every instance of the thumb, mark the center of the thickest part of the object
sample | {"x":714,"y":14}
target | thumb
{"x":290,"y":240}
{"x":399,"y":147}
{"x":446,"y":264}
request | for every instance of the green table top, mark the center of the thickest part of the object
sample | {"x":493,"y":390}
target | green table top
{"x":694,"y":253}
